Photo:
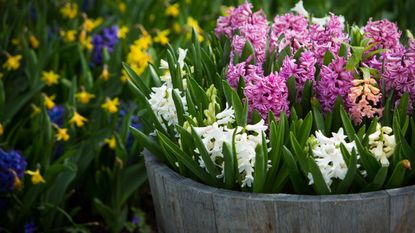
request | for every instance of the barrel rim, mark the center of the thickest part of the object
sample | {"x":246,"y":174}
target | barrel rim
{"x":153,"y":163}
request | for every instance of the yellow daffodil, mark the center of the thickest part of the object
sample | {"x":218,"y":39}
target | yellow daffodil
{"x":68,"y":36}
{"x":192,"y":23}
{"x":177,"y":28}
{"x":36,"y":176}
{"x":78,"y":120}
{"x":85,"y":40}
{"x":161,"y":37}
{"x":35,"y":110}
{"x":123,"y":77}
{"x":69,"y":10}
{"x":84,"y":97}
{"x":1,"y":129}
{"x":18,"y":184}
{"x":152,"y":17}
{"x":111,"y":142}
{"x":121,"y":7}
{"x":48,"y":101}
{"x":12,"y":62}
{"x":138,"y":57}
{"x":111,"y":105}
{"x":50,"y":77}
{"x":173,"y":10}
{"x":91,"y":24}
{"x":105,"y":74}
{"x":33,"y":41}
{"x":61,"y":134}
{"x":142,"y":43}
{"x":122,"y":32}
{"x":16,"y":41}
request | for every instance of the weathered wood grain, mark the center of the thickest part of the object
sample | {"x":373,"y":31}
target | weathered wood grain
{"x":183,"y":205}
{"x":297,"y":214}
{"x":402,"y":209}
{"x":198,"y":211}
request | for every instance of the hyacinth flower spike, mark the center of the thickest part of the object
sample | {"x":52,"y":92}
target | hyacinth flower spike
{"x":364,"y":97}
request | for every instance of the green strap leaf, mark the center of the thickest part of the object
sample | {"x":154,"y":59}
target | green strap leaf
{"x":370,"y":164}
{"x":299,"y":154}
{"x":229,"y":166}
{"x":210,"y":166}
{"x":347,"y":124}
{"x":378,"y":181}
{"x":179,"y":106}
{"x":186,"y":160}
{"x":295,"y":175}
{"x":398,"y":176}
{"x":318,"y":117}
{"x":259,"y":174}
{"x":136,"y":79}
{"x":345,"y":184}
{"x":305,"y":129}
{"x":319,"y":184}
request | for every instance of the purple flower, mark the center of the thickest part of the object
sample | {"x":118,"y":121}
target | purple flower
{"x":234,"y":73}
{"x":399,"y":72}
{"x":266,"y":94}
{"x":327,"y":37}
{"x":135,"y":220}
{"x":134,"y":122}
{"x":384,"y":33}
{"x":56,"y":115}
{"x":30,"y":227}
{"x":12,"y":167}
{"x":293,"y":27}
{"x":237,"y":18}
{"x":301,"y":70}
{"x":257,"y":35}
{"x":335,"y":81}
{"x":252,"y":27}
{"x":108,"y":39}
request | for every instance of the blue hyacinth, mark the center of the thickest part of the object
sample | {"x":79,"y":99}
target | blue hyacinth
{"x":108,"y":39}
{"x":134,"y":122}
{"x":56,"y":115}
{"x":12,"y":166}
{"x":30,"y":227}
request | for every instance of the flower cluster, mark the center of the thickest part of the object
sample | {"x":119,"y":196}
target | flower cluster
{"x":266,"y":94}
{"x":319,"y":38}
{"x":328,"y":156}
{"x":246,"y":140}
{"x":107,"y":40}
{"x":12,"y":167}
{"x":382,"y":144}
{"x":364,"y":96}
{"x":161,"y":98}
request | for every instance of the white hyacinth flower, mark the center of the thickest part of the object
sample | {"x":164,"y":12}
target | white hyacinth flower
{"x":246,"y":140}
{"x":226,"y":116}
{"x":161,"y":102}
{"x":165,"y":66}
{"x":213,"y":136}
{"x":382,"y":144}
{"x":299,"y":8}
{"x":328,"y":156}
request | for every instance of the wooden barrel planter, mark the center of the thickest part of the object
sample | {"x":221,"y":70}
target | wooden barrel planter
{"x":183,"y":205}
